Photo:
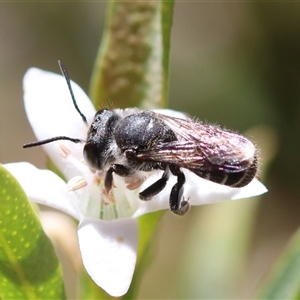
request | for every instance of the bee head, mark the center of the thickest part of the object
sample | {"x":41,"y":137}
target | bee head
{"x":98,"y":150}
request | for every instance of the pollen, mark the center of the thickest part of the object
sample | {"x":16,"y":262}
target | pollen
{"x":76,"y":183}
{"x":62,"y":149}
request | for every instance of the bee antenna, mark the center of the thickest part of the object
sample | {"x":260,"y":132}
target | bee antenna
{"x":47,"y":141}
{"x":65,"y":74}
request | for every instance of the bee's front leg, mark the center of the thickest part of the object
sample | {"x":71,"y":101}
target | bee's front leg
{"x":119,"y":170}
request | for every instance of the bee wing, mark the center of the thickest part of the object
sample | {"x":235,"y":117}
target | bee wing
{"x":188,"y":155}
{"x":218,"y":146}
{"x":181,"y":153}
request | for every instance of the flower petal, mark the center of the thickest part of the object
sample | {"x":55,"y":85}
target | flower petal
{"x":254,"y":188}
{"x":199,"y":191}
{"x":171,"y":113}
{"x":44,"y":187}
{"x":109,"y":250}
{"x":51,"y":113}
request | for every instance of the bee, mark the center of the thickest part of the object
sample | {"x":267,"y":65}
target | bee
{"x":129,"y":141}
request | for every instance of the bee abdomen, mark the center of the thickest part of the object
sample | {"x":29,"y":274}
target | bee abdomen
{"x":233,"y":179}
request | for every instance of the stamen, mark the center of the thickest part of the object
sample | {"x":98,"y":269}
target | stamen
{"x":107,"y":197}
{"x":62,"y":149}
{"x":76,"y":183}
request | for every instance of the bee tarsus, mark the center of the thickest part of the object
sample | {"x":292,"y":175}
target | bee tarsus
{"x":178,"y":204}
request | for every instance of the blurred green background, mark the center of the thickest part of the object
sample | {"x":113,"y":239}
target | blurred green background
{"x":233,"y":64}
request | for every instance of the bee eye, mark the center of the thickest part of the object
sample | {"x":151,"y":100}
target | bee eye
{"x":91,"y":156}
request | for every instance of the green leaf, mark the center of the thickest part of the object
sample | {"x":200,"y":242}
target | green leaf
{"x":284,"y":279}
{"x":132,"y":64}
{"x":29,"y":268}
{"x":167,"y":21}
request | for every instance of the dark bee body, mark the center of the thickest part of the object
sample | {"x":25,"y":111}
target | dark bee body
{"x":127,"y":141}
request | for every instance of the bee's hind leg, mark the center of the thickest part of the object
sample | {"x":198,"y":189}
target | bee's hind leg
{"x":178,"y":204}
{"x":156,"y":187}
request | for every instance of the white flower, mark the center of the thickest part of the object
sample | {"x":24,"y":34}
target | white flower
{"x":108,"y":230}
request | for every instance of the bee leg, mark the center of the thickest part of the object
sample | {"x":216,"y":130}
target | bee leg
{"x":119,"y":170}
{"x":156,"y":187}
{"x":178,"y":205}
